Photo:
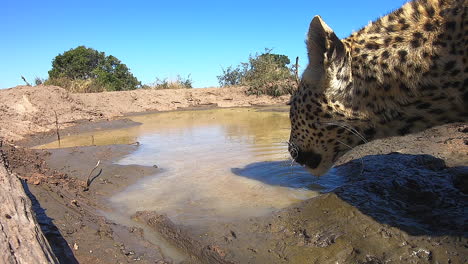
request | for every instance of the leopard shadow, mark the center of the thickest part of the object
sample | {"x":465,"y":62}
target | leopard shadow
{"x":418,"y":194}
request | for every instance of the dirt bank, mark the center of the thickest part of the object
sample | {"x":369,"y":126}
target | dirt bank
{"x":26,"y":110}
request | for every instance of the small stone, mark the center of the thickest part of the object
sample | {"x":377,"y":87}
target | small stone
{"x":422,"y":253}
{"x":75,"y":246}
{"x":233,"y":234}
{"x":129,"y":253}
{"x":252,"y":249}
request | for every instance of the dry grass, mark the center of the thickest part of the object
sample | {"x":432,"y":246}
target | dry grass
{"x":76,"y":86}
{"x":166,"y":85}
{"x":179,"y":83}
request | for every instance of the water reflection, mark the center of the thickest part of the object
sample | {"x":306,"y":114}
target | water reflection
{"x":217,"y":165}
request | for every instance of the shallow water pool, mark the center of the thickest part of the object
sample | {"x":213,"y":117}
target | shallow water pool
{"x":216,"y":165}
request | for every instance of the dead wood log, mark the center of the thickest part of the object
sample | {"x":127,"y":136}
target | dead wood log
{"x":21,"y":238}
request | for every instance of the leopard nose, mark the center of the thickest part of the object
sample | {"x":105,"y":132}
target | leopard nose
{"x":307,"y":158}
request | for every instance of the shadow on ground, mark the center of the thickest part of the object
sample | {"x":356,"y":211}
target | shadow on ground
{"x":59,"y":245}
{"x":418,"y":194}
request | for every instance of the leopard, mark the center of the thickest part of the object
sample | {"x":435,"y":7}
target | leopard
{"x":401,"y":73}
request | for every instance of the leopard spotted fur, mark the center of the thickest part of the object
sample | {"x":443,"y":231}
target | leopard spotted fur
{"x":402,"y":73}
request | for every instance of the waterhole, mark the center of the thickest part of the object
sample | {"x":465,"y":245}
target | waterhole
{"x":215,"y":165}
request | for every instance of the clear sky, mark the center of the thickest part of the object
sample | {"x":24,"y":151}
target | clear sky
{"x":166,"y":38}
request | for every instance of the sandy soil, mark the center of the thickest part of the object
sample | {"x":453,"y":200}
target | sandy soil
{"x":398,"y":208}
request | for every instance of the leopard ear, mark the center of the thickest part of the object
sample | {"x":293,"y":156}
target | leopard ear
{"x":323,"y":47}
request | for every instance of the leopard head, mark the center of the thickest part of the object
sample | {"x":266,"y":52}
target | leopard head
{"x":322,"y":109}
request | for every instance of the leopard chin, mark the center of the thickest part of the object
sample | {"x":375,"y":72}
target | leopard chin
{"x":321,"y":170}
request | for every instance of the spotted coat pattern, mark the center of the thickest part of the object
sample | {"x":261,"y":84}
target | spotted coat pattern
{"x":405,"y":72}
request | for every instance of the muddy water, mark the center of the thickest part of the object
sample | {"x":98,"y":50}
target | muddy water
{"x":216,"y":165}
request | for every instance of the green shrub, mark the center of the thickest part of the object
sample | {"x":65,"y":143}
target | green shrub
{"x":231,"y":76}
{"x":87,"y":70}
{"x":266,"y":73}
{"x":38,"y":81}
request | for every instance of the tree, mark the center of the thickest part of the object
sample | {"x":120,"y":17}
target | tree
{"x":84,"y":63}
{"x":231,"y":76}
{"x":267,"y":73}
{"x":280,"y":60}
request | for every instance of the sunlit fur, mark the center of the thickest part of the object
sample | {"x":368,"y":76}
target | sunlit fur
{"x":402,"y":73}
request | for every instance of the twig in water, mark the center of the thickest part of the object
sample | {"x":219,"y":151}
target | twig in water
{"x":57,"y":127}
{"x":89,"y":180}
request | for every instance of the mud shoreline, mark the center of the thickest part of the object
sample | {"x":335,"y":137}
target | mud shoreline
{"x":320,"y":229}
{"x":353,"y":224}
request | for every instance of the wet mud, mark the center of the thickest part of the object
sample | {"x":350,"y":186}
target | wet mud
{"x":69,"y":212}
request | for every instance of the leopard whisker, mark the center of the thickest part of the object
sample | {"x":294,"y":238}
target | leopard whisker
{"x":294,"y":152}
{"x":349,"y":128}
{"x":291,"y":160}
{"x":360,"y":158}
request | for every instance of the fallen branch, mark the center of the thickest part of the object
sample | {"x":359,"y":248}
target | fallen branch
{"x":89,"y":180}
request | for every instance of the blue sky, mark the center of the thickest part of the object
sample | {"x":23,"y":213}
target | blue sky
{"x":166,"y":38}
